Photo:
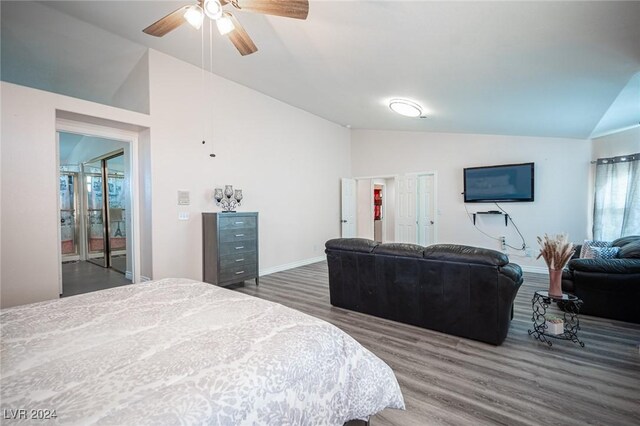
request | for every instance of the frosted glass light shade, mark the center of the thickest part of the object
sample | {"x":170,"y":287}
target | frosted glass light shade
{"x":213,"y":9}
{"x":405,"y":107}
{"x":194,"y":16}
{"x":225,"y":26}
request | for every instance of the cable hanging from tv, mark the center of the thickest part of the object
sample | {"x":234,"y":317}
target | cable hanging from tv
{"x":507,"y":218}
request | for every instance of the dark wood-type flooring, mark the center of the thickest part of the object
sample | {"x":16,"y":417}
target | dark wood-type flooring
{"x":84,"y":277}
{"x":448,"y":380}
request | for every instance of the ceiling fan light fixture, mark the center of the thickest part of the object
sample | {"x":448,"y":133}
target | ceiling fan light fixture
{"x":213,"y":9}
{"x":225,"y":25}
{"x":194,"y":16}
{"x":405,"y":107}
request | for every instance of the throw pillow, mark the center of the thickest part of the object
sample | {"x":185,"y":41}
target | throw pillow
{"x":605,"y":252}
{"x":586,"y":252}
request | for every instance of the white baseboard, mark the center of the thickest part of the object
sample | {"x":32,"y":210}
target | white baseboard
{"x":143,"y":278}
{"x":535,"y":269}
{"x":291,"y":265}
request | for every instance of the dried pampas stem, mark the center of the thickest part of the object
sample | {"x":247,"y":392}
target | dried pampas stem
{"x":556,"y":250}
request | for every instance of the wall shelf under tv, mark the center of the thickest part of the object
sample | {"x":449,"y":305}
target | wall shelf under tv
{"x":506,"y":216}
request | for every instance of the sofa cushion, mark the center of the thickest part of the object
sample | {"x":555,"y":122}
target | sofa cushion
{"x":626,"y":240}
{"x":465,"y":254}
{"x":400,"y":249}
{"x":606,"y":266}
{"x":586,"y":251}
{"x":630,"y":251}
{"x":351,"y":244}
{"x":605,"y":252}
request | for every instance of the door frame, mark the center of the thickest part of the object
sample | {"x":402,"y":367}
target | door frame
{"x":130,"y":137}
{"x":435,"y":201}
{"x":384,"y":193}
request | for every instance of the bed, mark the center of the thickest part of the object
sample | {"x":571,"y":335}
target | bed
{"x":178,"y":351}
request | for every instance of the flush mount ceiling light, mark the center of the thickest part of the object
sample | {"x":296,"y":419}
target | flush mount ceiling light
{"x":405,"y":107}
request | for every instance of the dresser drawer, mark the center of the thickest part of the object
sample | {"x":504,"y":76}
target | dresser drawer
{"x":237,"y":247}
{"x":233,"y":260}
{"x":240,"y":234}
{"x":239,"y":273}
{"x":236,"y":222}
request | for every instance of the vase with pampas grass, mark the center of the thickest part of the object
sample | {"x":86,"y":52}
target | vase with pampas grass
{"x":556,"y":252}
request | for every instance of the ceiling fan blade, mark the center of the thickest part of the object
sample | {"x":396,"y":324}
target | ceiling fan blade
{"x":298,"y":9}
{"x":167,"y":24}
{"x":240,"y":38}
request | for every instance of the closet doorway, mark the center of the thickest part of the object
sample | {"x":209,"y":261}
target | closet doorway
{"x":95,"y":219}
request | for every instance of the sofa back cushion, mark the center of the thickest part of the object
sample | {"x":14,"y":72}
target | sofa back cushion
{"x":626,"y":240}
{"x":630,"y":251}
{"x":400,"y":249}
{"x":465,"y":254}
{"x":362,"y":245}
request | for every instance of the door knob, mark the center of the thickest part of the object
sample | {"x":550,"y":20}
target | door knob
{"x":343,"y":221}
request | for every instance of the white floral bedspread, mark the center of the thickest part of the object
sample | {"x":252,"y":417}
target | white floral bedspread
{"x":181,"y":352}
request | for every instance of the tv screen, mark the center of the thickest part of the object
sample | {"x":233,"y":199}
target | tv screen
{"x":506,"y":183}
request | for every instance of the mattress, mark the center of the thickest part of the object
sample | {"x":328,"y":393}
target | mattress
{"x":177,"y":351}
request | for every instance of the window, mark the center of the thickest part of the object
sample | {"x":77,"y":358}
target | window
{"x":617,"y":199}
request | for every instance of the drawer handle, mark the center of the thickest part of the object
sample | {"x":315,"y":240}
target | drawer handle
{"x":238,"y":248}
{"x":239,"y":223}
{"x":241,"y":272}
{"x":239,"y":235}
{"x":239,"y":260}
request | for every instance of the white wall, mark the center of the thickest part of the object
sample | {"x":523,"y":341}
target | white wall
{"x":621,"y":143}
{"x":561,"y":190}
{"x":29,"y":180}
{"x":287,"y":162}
{"x":49,"y":50}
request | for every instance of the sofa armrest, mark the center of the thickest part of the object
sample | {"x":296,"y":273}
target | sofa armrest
{"x":608,"y":266}
{"x":512,"y":271}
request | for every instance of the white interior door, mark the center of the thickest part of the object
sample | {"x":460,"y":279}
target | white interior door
{"x":348,"y":208}
{"x":406,"y":209}
{"x":426,"y":210}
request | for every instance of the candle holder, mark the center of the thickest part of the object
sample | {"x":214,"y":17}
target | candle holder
{"x":228,"y":199}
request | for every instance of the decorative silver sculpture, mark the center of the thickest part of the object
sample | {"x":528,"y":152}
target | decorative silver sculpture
{"x":229,"y":199}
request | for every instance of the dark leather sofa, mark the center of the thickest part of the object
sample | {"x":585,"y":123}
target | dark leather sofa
{"x":459,"y":290}
{"x":609,"y":288}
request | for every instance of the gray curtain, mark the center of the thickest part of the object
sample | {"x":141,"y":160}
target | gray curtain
{"x":617,"y":198}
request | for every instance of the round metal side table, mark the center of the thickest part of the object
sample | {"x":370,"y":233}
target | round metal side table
{"x":571,"y":308}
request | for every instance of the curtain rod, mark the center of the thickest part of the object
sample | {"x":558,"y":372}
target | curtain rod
{"x":619,"y":158}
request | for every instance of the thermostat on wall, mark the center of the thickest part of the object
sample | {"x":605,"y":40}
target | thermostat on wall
{"x":183,"y":198}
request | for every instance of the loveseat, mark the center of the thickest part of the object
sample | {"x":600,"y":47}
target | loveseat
{"x":609,"y":288}
{"x":459,"y":290}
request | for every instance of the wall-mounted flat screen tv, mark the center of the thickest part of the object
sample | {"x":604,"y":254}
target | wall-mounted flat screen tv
{"x":504,"y":183}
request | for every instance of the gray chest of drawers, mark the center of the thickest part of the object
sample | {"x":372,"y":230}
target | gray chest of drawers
{"x":230,"y":247}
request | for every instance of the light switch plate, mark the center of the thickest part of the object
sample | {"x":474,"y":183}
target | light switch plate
{"x":183,"y":198}
{"x":183,"y":215}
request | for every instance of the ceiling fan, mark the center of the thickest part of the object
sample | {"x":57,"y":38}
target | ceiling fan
{"x":227,"y":23}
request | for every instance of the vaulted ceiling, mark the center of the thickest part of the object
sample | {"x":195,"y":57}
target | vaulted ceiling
{"x":522,"y":68}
